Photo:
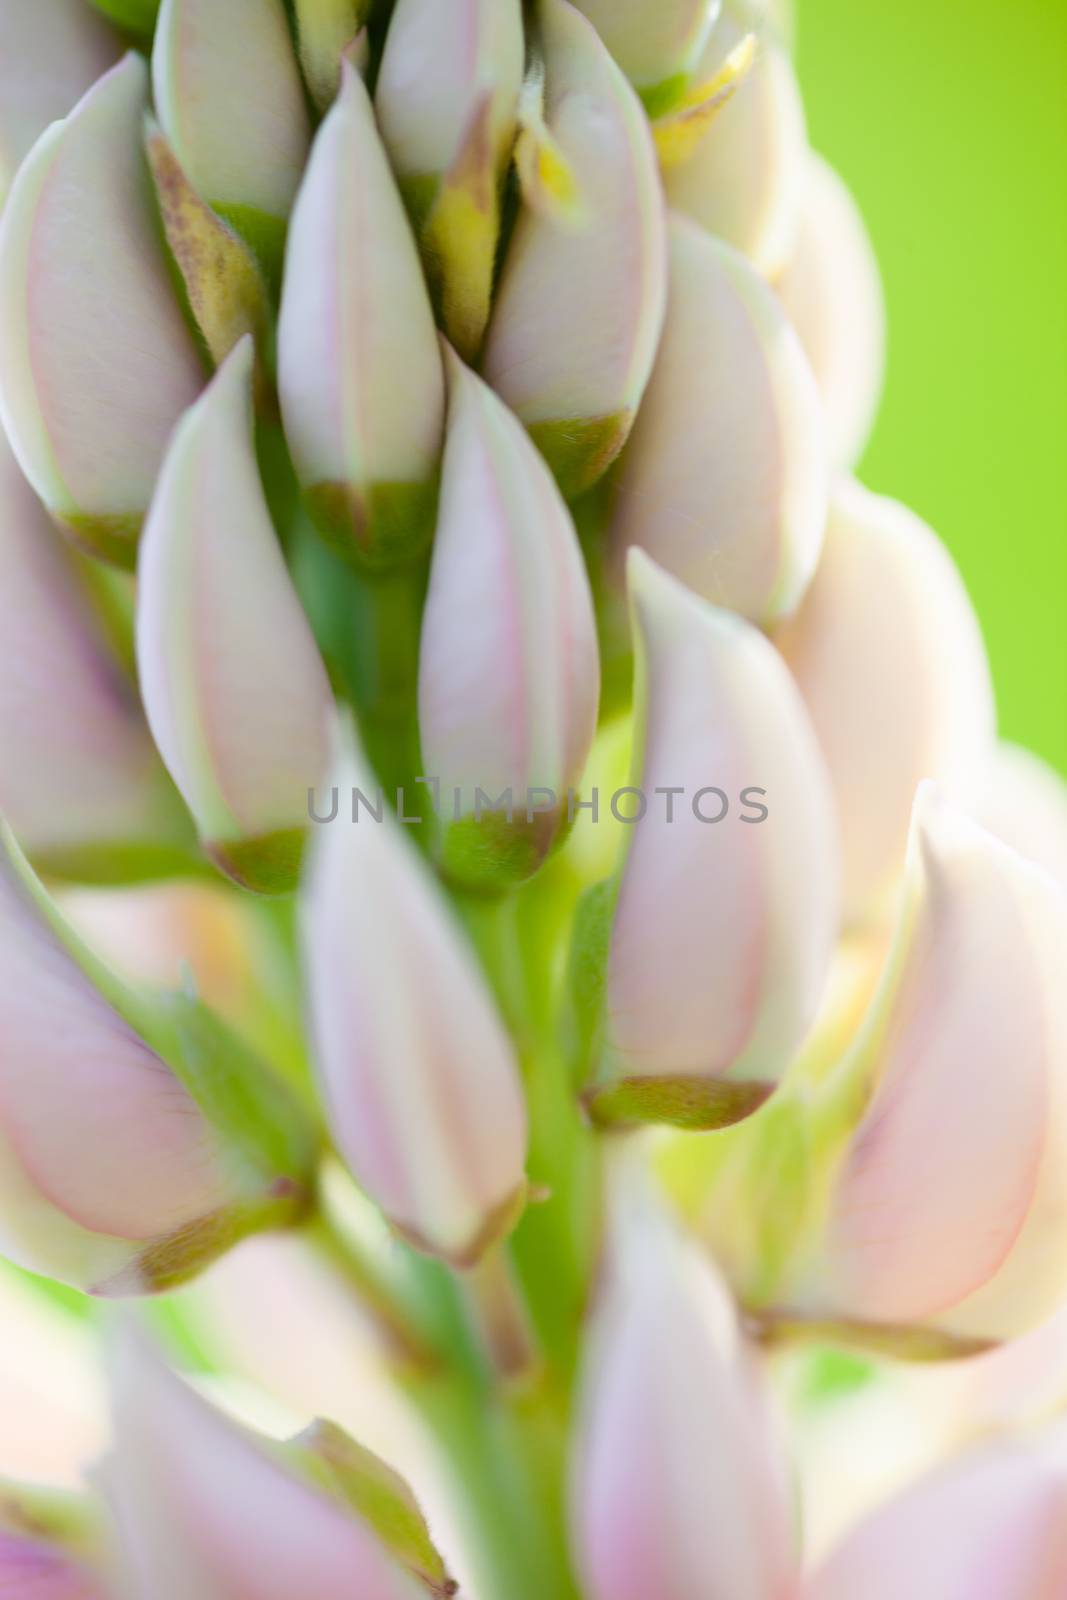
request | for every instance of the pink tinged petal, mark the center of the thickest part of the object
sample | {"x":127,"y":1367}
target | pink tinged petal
{"x":229,"y":96}
{"x":832,"y":292}
{"x":677,"y":1488}
{"x":724,"y":481}
{"x":968,"y":1037}
{"x":886,"y":639}
{"x":356,"y":336}
{"x":78,"y":764}
{"x":988,"y":1526}
{"x":419,"y":1076}
{"x":508,"y":671}
{"x":653,"y":44}
{"x":439,"y":63}
{"x":580,"y":303}
{"x":1024,"y":802}
{"x":206,"y":1508}
{"x":97,"y":1136}
{"x":49,"y":56}
{"x":723,"y":931}
{"x":30,"y":1569}
{"x":236,"y":693}
{"x":745,"y":180}
{"x":96,"y":363}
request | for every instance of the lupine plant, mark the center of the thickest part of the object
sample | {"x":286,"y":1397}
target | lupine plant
{"x":510,"y":895}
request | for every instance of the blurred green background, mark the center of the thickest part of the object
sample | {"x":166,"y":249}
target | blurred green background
{"x":948,"y":118}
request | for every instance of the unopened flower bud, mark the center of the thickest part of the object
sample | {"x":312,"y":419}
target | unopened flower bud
{"x":419,"y":1077}
{"x":726,"y":910}
{"x":235,"y":690}
{"x":579,"y":306}
{"x":96,"y":363}
{"x":832,"y":293}
{"x":356,"y":340}
{"x":49,"y":56}
{"x":963,"y":1232}
{"x":658,"y":45}
{"x":50,"y":1546}
{"x":446,"y":99}
{"x":205,"y":1507}
{"x":724,"y":481}
{"x":678,"y":1488}
{"x":1024,"y":802}
{"x":744,"y":182}
{"x":886,"y":638}
{"x":508,"y":669}
{"x":138,"y":1139}
{"x":229,"y":97}
{"x":81,"y":782}
{"x":33,"y":1566}
{"x":988,"y":1524}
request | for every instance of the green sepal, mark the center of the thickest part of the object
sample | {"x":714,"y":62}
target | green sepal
{"x":108,"y":538}
{"x":580,"y":450}
{"x":697,"y":1104}
{"x":376,"y":530}
{"x":364,"y":1484}
{"x":225,"y":286}
{"x":492,"y":853}
{"x":268,"y":864}
{"x":265,"y":236}
{"x":139,"y":16}
{"x":659,"y":98}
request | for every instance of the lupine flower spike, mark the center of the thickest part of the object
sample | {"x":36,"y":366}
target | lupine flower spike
{"x":605,"y":935}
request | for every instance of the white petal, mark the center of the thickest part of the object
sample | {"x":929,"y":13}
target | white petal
{"x":724,"y":480}
{"x":887,"y":652}
{"x":419,"y":1076}
{"x":832,"y":293}
{"x":229,"y":96}
{"x":723,"y":930}
{"x":745,"y":180}
{"x":95,"y":361}
{"x":235,"y":690}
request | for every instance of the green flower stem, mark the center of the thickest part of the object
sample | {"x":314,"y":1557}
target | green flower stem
{"x":504,"y":1451}
{"x":501,"y":1315}
{"x":382,"y":677}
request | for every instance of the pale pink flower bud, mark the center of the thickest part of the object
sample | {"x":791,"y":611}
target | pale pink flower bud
{"x":49,"y":56}
{"x":657,"y":46}
{"x":418,"y":1074}
{"x":986,"y":1527}
{"x":112,"y":1176}
{"x":447,"y":98}
{"x":724,"y":481}
{"x":1024,"y":802}
{"x":744,"y":181}
{"x":678,"y":1487}
{"x":81,"y":782}
{"x":439,"y":64}
{"x":235,"y":690}
{"x":727,"y":912}
{"x":946,"y":1206}
{"x":356,"y":341}
{"x":36,"y":1569}
{"x":229,"y":96}
{"x":887,"y":652}
{"x":508,"y":671}
{"x":96,"y":363}
{"x":580,"y":302}
{"x":205,"y":1507}
{"x":832,"y":292}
